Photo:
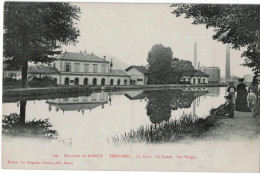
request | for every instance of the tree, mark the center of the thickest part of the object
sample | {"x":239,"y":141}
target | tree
{"x":34,"y":31}
{"x":179,"y":67}
{"x":160,"y":64}
{"x":237,"y":25}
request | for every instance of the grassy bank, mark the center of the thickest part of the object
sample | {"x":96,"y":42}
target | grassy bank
{"x":174,"y":130}
{"x":13,"y":95}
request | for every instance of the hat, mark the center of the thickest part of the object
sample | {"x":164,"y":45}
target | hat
{"x":228,"y":97}
{"x":240,"y":79}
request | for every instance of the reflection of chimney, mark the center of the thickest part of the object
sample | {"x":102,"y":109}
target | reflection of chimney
{"x":194,"y":107}
{"x":195,"y":55}
{"x":105,"y":58}
{"x":227,"y":63}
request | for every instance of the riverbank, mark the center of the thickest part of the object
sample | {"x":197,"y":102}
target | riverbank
{"x":10,"y":95}
{"x":29,"y":92}
{"x":242,"y":127}
{"x":190,"y":129}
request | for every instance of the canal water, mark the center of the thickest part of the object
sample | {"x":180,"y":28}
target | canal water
{"x":83,"y":127}
{"x":99,"y":116}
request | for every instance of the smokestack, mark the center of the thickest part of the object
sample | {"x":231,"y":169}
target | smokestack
{"x":111,"y":64}
{"x":198,"y":65}
{"x":227,"y":63}
{"x":105,"y":58}
{"x":195,"y":55}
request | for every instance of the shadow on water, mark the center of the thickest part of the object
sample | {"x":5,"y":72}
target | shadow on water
{"x":15,"y":125}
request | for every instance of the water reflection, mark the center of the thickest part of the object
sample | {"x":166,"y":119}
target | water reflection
{"x":214,"y":92}
{"x":80,"y":104}
{"x":152,"y":106}
{"x":161,"y":103}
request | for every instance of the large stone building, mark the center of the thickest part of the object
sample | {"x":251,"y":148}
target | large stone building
{"x":76,"y":69}
{"x":87,"y":69}
{"x":213,"y":72}
{"x":138,"y":75}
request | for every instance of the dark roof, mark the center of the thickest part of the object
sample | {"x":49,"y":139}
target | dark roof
{"x":137,"y":97}
{"x":141,"y":69}
{"x":77,"y":106}
{"x":41,"y":69}
{"x":195,"y":73}
{"x":80,"y":57}
{"x":117,"y":72}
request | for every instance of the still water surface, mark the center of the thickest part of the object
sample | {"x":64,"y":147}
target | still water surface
{"x":98,"y":117}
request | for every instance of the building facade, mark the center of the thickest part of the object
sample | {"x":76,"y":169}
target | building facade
{"x":194,"y":77}
{"x":76,"y":69}
{"x":213,"y":72}
{"x":87,"y":69}
{"x":138,"y":75}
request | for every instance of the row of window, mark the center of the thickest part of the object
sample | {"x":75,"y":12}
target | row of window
{"x":194,"y":80}
{"x":75,"y":81}
{"x":67,"y":68}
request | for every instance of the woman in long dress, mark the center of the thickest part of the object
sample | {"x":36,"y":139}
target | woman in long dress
{"x":241,"y":100}
{"x":256,"y":111}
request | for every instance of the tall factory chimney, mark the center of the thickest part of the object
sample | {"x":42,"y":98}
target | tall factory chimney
{"x":195,"y":55}
{"x":227,"y":77}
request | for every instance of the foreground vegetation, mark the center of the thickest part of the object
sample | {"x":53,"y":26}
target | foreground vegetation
{"x":34,"y":83}
{"x":173,"y":130}
{"x":12,"y":126}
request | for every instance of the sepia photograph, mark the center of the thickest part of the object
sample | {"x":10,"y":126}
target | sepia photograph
{"x":166,"y":87}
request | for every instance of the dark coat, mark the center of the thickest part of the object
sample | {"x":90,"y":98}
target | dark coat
{"x":225,"y":110}
{"x":256,"y":111}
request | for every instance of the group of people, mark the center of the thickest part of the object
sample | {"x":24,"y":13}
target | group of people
{"x":241,"y":99}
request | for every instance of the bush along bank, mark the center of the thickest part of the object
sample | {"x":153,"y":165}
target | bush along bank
{"x":171,"y":131}
{"x":12,"y":126}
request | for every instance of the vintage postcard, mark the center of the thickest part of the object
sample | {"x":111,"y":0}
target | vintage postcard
{"x":131,"y":86}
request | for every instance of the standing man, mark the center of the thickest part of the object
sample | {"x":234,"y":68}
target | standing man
{"x":256,"y":111}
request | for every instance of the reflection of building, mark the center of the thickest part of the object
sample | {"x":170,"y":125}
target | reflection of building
{"x":79,"y":103}
{"x":195,"y":77}
{"x":215,"y":92}
{"x":136,"y":95}
{"x":195,"y":89}
{"x":139,"y":75}
{"x":213,"y":72}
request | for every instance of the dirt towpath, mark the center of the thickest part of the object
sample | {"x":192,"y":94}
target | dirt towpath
{"x":242,"y":127}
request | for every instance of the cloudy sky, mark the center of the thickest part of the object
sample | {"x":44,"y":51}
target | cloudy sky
{"x":128,"y":31}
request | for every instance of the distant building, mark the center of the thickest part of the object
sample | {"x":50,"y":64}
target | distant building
{"x":194,"y":77}
{"x":138,"y":75}
{"x":213,"y":72}
{"x":249,"y":78}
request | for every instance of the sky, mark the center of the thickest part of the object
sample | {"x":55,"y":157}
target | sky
{"x":128,"y":32}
